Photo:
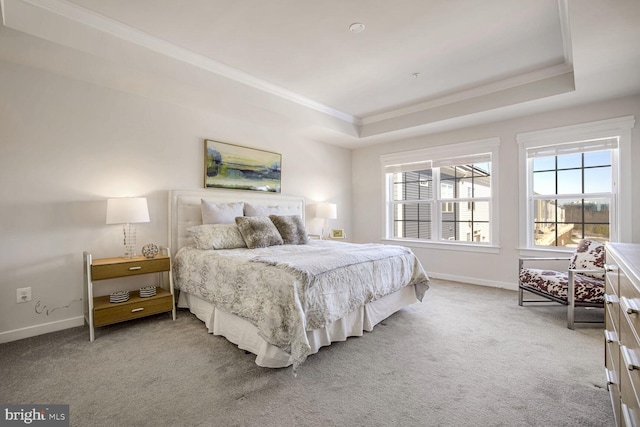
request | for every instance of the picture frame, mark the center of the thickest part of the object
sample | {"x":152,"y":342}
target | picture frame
{"x":337,"y":233}
{"x":241,"y":168}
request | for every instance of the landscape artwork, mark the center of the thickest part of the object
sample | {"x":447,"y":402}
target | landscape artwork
{"x":240,"y":168}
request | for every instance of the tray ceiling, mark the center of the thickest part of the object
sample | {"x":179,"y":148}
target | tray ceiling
{"x":418,"y":66}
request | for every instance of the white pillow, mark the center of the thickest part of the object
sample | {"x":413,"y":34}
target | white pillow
{"x":217,"y":236}
{"x":220,"y":213}
{"x":257,"y":210}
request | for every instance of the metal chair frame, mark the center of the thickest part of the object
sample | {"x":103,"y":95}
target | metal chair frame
{"x":570,"y":302}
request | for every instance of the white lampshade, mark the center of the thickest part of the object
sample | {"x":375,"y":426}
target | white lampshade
{"x":326,"y":211}
{"x":127,"y":210}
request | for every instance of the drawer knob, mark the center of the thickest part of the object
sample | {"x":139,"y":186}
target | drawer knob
{"x":135,"y":310}
{"x":630,"y":305}
{"x":610,"y":299}
{"x":629,"y":358}
{"x":609,"y":268}
{"x":610,"y":336}
{"x":611,"y":377}
{"x":135,"y":268}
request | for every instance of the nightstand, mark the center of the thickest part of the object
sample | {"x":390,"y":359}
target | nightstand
{"x":99,"y":311}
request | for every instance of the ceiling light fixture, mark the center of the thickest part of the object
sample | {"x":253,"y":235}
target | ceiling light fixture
{"x":416,"y":75}
{"x":356,"y":27}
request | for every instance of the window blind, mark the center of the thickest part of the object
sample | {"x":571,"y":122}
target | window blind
{"x":573,"y":147}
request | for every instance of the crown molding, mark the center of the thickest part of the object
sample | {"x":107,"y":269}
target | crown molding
{"x":478,"y":91}
{"x":109,"y":26}
{"x":512,"y":90}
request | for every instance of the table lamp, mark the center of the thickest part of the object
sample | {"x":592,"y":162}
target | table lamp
{"x":128,"y":211}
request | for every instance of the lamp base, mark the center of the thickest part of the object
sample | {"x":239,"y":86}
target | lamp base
{"x":129,"y":231}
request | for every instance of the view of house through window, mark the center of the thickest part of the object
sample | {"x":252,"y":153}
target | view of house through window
{"x":443,"y":203}
{"x":572,"y":197}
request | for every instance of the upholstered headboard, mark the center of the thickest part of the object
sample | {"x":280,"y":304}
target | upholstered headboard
{"x":184,"y":208}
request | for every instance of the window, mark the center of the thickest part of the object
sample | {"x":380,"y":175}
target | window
{"x":443,"y":194}
{"x":571,"y":185}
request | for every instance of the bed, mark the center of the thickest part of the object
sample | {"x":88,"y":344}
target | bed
{"x":281,"y":302}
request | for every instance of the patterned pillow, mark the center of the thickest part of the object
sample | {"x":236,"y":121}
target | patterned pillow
{"x":220,"y":213}
{"x":589,"y":256}
{"x":258,"y":231}
{"x":217,"y":236}
{"x":291,"y":229}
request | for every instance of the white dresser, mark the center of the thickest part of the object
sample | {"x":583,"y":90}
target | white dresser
{"x":622,"y":329}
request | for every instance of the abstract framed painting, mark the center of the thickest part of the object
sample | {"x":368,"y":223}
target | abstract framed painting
{"x":241,"y":168}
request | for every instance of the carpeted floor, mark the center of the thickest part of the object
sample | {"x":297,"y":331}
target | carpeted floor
{"x":466,"y":356}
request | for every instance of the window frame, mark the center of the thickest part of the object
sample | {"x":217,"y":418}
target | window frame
{"x":620,"y":209}
{"x":425,"y":158}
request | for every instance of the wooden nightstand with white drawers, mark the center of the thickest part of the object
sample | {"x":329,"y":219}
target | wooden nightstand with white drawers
{"x":99,"y":311}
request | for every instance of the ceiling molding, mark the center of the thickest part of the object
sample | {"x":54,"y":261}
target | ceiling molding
{"x":565,"y":29}
{"x":536,"y":84}
{"x":101,"y":23}
{"x":478,"y":91}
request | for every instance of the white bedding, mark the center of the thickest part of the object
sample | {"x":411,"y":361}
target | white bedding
{"x":247,"y":337}
{"x":285,"y":299}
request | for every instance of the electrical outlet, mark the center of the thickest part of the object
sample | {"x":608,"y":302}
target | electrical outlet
{"x":23,"y":295}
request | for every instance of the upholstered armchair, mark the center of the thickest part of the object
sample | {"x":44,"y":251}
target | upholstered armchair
{"x":581,"y":285}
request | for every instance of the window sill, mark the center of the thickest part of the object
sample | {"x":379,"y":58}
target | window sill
{"x":448,"y":246}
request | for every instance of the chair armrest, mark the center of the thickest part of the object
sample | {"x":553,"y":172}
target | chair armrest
{"x":546,"y":259}
{"x":521,"y":261}
{"x":599,"y":270}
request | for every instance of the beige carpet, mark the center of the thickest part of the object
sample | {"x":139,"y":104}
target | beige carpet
{"x":466,"y":356}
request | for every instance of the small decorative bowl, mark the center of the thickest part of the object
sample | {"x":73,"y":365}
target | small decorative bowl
{"x":150,"y":250}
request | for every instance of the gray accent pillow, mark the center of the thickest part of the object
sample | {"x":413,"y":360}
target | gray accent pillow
{"x":217,"y":236}
{"x":258,"y":231}
{"x":291,"y":229}
{"x":258,"y":210}
{"x":220,"y":213}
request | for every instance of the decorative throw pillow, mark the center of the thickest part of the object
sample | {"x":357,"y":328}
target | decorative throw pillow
{"x":257,"y":210}
{"x":220,"y":213}
{"x":291,"y":229}
{"x":258,"y":231}
{"x":589,"y":256}
{"x":217,"y":236}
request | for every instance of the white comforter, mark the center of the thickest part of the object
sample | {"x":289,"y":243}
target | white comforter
{"x":286,"y":290}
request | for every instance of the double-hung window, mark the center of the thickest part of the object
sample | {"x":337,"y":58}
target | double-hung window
{"x":570,"y":183}
{"x":443,"y":194}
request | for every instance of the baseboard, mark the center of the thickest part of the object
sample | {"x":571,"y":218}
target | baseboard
{"x":475,"y":281}
{"x":45,"y":328}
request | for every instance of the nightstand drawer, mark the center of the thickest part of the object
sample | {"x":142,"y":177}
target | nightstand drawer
{"x":106,"y":313}
{"x":108,"y":270}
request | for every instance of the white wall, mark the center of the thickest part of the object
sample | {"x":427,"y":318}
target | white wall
{"x":66,"y":146}
{"x":480,"y":268}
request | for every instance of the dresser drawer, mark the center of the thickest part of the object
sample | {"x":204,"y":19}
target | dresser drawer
{"x":629,"y":372}
{"x":611,"y":277}
{"x":614,"y":395}
{"x":611,"y":355}
{"x":612,"y":313}
{"x":106,"y":270}
{"x":106,"y":313}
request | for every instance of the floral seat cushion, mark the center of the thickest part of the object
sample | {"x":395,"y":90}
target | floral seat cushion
{"x":556,"y":283}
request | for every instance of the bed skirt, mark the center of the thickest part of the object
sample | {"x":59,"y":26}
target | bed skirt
{"x":242,"y":333}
